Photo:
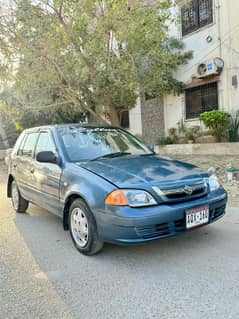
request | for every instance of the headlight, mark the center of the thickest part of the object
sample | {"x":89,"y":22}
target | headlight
{"x":213,"y":183}
{"x":130,"y":197}
{"x":137,"y":198}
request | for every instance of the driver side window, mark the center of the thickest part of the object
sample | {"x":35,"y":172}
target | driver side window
{"x":45,"y":143}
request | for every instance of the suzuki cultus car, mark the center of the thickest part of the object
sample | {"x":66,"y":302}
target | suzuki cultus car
{"x":107,"y":186}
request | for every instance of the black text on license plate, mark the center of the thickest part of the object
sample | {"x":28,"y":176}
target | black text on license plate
{"x":196,"y":217}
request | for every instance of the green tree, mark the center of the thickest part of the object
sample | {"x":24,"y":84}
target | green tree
{"x":96,"y":56}
{"x":23,"y":117}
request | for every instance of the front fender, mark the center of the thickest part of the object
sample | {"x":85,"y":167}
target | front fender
{"x":79,"y":181}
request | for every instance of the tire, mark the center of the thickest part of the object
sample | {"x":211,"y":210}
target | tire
{"x":18,"y":202}
{"x":83,"y":229}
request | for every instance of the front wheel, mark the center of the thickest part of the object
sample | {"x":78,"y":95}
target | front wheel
{"x":83,"y":229}
{"x":18,"y":202}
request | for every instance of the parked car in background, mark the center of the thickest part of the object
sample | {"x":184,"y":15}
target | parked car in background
{"x":107,"y":186}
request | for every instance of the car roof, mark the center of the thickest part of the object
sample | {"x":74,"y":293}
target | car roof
{"x":84,"y":125}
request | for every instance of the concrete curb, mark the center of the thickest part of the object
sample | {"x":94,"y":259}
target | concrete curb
{"x":199,"y":149}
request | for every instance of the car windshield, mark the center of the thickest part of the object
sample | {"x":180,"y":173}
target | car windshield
{"x":85,"y":143}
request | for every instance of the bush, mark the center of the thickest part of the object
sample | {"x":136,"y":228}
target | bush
{"x":166,"y":140}
{"x":181,"y":127}
{"x":233,"y":128}
{"x":217,"y":121}
{"x":191,"y":133}
{"x":173,"y":135}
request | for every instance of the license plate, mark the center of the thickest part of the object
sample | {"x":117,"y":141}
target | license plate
{"x":197,"y":216}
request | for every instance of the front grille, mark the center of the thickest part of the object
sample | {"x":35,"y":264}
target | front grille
{"x":183,"y":194}
{"x":187,"y":191}
{"x":184,"y":191}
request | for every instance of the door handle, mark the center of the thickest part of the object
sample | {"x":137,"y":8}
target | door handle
{"x":32,"y":171}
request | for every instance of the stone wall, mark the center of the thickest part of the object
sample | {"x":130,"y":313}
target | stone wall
{"x":152,"y":120}
{"x":199,"y":149}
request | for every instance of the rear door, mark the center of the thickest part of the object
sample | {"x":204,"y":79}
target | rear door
{"x":47,"y":176}
{"x":22,"y":166}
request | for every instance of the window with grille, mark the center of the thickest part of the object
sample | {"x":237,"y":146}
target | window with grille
{"x":201,"y":99}
{"x":195,"y":15}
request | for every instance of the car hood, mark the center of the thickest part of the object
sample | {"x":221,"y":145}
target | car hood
{"x":136,"y":171}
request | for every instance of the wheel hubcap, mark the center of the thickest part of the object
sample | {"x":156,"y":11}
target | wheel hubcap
{"x":15,"y":196}
{"x":79,"y":227}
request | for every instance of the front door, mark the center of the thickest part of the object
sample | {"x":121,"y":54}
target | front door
{"x":47,"y":175}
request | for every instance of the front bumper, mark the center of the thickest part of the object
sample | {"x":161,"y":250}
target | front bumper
{"x":126,"y":225}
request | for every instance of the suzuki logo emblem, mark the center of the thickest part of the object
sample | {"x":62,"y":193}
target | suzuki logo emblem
{"x":188,"y":190}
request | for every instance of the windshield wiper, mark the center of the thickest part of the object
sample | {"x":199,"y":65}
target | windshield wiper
{"x":148,"y":154}
{"x":111,"y":155}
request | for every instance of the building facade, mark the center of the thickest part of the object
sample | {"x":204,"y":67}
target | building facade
{"x":210,"y":28}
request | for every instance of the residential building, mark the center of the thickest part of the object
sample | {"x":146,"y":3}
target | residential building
{"x":210,"y":28}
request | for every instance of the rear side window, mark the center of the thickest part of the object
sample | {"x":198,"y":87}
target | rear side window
{"x":45,"y":143}
{"x":29,"y":145}
{"x":19,"y":146}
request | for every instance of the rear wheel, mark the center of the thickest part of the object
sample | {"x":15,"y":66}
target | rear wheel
{"x":83,"y":229}
{"x":18,"y":202}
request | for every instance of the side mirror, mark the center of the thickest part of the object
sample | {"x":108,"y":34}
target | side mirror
{"x":47,"y":157}
{"x":151,"y":147}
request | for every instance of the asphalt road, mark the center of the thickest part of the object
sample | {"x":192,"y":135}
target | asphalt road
{"x":42,"y":275}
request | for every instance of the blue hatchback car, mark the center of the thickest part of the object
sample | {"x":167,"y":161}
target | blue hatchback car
{"x":109,"y":187}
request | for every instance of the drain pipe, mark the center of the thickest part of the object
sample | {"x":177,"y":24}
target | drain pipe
{"x":219,"y":30}
{"x":218,"y":7}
